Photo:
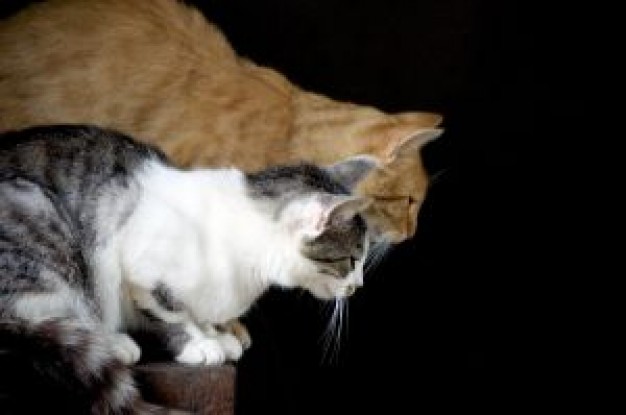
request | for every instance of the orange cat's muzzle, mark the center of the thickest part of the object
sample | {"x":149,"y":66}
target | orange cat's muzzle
{"x":393,"y":218}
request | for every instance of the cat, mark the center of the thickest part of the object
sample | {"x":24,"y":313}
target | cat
{"x":159,"y":71}
{"x":100,"y":234}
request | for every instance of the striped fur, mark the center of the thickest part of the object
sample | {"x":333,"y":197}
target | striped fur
{"x":99,"y":235}
{"x":62,"y":367}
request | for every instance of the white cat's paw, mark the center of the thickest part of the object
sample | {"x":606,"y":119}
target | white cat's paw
{"x":231,"y":345}
{"x":125,"y":348}
{"x":202,"y":352}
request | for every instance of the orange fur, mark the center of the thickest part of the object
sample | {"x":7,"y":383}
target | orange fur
{"x":159,"y":71}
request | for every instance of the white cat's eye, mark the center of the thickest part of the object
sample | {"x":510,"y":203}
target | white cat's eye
{"x":332,"y":273}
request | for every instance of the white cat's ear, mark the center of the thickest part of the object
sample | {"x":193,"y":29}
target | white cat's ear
{"x":351,"y":171}
{"x":345,"y":208}
{"x":326,"y":210}
{"x":414,"y":142}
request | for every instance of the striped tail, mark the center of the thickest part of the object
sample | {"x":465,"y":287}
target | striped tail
{"x":61,"y":367}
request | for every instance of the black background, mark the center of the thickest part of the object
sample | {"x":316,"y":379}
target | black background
{"x":461,"y":317}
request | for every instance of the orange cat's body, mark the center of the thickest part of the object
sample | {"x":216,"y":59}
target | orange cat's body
{"x":159,"y":71}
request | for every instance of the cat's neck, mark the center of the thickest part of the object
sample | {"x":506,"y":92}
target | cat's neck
{"x":234,"y":228}
{"x":326,"y":130}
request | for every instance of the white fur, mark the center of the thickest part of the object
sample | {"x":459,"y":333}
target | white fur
{"x":199,"y":233}
{"x":125,"y":349}
{"x":200,"y":350}
{"x":213,"y":246}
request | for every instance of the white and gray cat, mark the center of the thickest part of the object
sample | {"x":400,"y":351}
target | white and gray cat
{"x":100,"y":234}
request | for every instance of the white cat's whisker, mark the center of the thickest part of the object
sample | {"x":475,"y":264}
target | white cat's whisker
{"x":347,"y":308}
{"x":338,"y":330}
{"x":435,"y":178}
{"x":376,"y":255}
{"x":330,"y":339}
{"x":342,"y":324}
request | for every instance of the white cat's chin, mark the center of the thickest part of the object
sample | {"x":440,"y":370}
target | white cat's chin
{"x":324,"y":292}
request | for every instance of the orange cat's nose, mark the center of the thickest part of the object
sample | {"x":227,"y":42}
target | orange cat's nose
{"x":411,"y":220}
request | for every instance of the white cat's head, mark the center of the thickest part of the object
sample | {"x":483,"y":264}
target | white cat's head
{"x":322,"y":222}
{"x":333,"y":244}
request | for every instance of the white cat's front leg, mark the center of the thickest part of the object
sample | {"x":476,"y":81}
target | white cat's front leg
{"x":232,"y":346}
{"x":200,"y":349}
{"x":189,"y":344}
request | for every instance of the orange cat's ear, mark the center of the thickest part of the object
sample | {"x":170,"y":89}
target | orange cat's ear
{"x":420,"y":119}
{"x":351,"y":171}
{"x":412,"y":143}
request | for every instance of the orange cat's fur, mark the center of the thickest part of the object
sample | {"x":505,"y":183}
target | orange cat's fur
{"x":159,"y":71}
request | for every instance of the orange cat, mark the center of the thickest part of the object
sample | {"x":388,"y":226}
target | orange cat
{"x":159,"y":71}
